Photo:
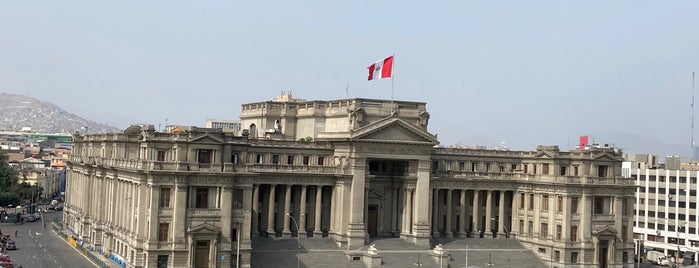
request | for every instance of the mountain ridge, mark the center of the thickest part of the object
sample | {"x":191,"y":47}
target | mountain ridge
{"x":18,"y":111}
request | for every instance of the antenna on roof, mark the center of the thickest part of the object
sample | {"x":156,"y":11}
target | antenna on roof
{"x":695,"y":153}
{"x":347,"y":91}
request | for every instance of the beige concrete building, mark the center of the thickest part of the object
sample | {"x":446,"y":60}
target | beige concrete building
{"x":344,"y":170}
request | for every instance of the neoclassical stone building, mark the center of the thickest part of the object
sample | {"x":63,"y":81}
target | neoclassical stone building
{"x":344,"y":170}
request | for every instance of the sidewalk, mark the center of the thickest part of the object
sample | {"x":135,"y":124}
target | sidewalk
{"x":94,"y":256}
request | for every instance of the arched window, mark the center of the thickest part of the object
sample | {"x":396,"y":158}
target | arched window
{"x":253,"y":130}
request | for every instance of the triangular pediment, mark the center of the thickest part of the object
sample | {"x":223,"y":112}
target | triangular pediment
{"x":206,"y":138}
{"x":606,"y":230}
{"x":603,"y":156}
{"x":545,"y":154}
{"x":393,"y":129}
{"x":203,"y":228}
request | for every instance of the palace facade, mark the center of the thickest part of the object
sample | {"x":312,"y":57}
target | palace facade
{"x":345,"y":170}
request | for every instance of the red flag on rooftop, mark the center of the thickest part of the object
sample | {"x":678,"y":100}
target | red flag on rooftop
{"x":583,"y":142}
{"x":381,"y":69}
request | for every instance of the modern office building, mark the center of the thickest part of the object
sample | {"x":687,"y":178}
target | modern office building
{"x":343,"y":170}
{"x":225,"y":125}
{"x":666,"y":204}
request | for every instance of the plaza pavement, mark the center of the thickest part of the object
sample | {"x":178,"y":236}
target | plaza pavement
{"x":322,"y":252}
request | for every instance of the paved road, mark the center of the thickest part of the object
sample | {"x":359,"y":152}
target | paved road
{"x":31,"y":251}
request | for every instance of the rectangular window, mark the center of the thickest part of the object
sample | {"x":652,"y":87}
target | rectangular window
{"x":164,"y":197}
{"x":521,"y":226}
{"x":202,"y":200}
{"x":573,"y":257}
{"x":544,"y":230}
{"x":545,"y":203}
{"x":562,"y":171}
{"x":162,"y":261}
{"x":237,"y":198}
{"x":559,"y":204}
{"x":599,"y":205}
{"x":531,"y":201}
{"x":235,"y":158}
{"x":602,"y":171}
{"x":624,"y":207}
{"x":474,"y":167}
{"x":259,"y":158}
{"x":545,"y":169}
{"x":161,"y":155}
{"x":321,"y":160}
{"x":531,"y":227}
{"x":557,"y":256}
{"x":521,"y":201}
{"x":163,"y":230}
{"x":306,"y":160}
{"x":462,"y":165}
{"x":290,"y":160}
{"x":275,"y":159}
{"x":204,"y":156}
{"x":559,"y":232}
{"x":573,"y":233}
{"x":487,"y":167}
{"x":576,"y":171}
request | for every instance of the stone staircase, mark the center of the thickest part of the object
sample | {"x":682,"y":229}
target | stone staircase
{"x":394,"y":252}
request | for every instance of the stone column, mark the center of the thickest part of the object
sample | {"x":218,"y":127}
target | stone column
{"x":476,"y":213}
{"x":154,"y":223}
{"x":356,"y":233}
{"x":435,"y":212}
{"x":302,"y":214}
{"x":226,"y":242}
{"x":514,"y":228}
{"x":489,"y":212}
{"x":405,"y":220}
{"x":394,"y":209}
{"x":178,"y":216}
{"x":270,"y":212}
{"x":449,"y":232}
{"x":501,"y":214}
{"x":287,"y":211}
{"x":409,"y":208}
{"x":255,"y":211}
{"x":226,"y":216}
{"x":586,"y":219}
{"x":462,"y":213}
{"x":245,"y":243}
{"x":317,"y":231}
{"x":421,"y":205}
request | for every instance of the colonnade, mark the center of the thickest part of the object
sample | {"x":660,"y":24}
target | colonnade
{"x":274,"y":205}
{"x":458,"y":212}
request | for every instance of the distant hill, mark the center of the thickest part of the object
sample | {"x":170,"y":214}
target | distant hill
{"x":17,"y":111}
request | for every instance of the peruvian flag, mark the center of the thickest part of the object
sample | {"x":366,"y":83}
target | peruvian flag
{"x":381,"y":69}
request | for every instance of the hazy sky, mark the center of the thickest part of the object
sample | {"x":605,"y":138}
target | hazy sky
{"x":519,"y":72}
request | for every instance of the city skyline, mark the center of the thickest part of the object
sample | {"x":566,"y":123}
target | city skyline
{"x":520,"y":73}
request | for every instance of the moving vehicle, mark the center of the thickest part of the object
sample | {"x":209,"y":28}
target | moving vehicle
{"x":657,"y":257}
{"x":11,"y":245}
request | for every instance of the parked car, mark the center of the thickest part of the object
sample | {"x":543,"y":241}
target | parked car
{"x":11,"y":245}
{"x":51,"y":207}
{"x":59,"y":207}
{"x":37,"y":216}
{"x":4,"y":258}
{"x":6,"y":265}
{"x":30,"y":218}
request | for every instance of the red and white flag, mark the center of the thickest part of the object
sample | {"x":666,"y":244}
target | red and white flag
{"x":381,"y":69}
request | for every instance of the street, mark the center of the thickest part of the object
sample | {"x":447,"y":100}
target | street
{"x":42,"y":248}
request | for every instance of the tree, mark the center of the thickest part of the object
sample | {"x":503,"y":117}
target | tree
{"x":8,"y":176}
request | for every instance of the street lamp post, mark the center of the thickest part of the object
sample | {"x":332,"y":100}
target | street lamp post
{"x":298,"y":243}
{"x":490,"y":260}
{"x":418,"y":263}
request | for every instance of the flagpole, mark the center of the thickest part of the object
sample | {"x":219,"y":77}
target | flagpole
{"x":393,"y":109}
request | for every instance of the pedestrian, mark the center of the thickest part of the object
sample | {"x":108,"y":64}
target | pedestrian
{"x":15,"y":232}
